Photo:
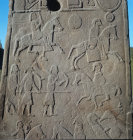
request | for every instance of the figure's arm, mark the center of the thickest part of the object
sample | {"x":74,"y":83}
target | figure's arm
{"x":39,"y":80}
{"x":65,"y":80}
{"x":21,"y":86}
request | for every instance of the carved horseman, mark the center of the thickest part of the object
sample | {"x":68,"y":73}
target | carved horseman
{"x":94,"y":53}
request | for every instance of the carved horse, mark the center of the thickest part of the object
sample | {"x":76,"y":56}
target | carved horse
{"x":47,"y":39}
{"x":108,"y":91}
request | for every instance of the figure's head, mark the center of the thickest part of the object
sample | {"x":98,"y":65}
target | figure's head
{"x":54,"y":70}
{"x":57,"y":24}
{"x":97,"y":22}
{"x":20,"y":125}
{"x":29,"y":70}
{"x":97,"y":67}
{"x":33,"y":16}
{"x":92,"y":118}
{"x":14,"y":68}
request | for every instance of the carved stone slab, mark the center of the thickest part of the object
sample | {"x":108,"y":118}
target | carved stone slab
{"x":66,"y":72}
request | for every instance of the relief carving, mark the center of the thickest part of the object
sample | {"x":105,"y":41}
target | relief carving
{"x":19,"y":133}
{"x":40,"y":36}
{"x":74,"y":3}
{"x":107,"y":35}
{"x":36,"y":133}
{"x":80,"y":52}
{"x":91,"y":2}
{"x":28,"y":83}
{"x":13,"y":79}
{"x":98,"y":86}
{"x":30,"y":3}
{"x":59,"y":130}
{"x":109,"y":7}
{"x":75,"y":22}
{"x":98,"y":130}
{"x":49,"y":101}
{"x":78,"y":128}
{"x":66,"y":71}
{"x":10,"y":107}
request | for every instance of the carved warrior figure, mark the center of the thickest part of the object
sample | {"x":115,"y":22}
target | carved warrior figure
{"x":27,"y":84}
{"x":49,"y":101}
{"x":13,"y":79}
{"x":93,"y":53}
{"x":57,"y":131}
{"x":105,"y":37}
{"x":19,"y":133}
{"x":10,"y":107}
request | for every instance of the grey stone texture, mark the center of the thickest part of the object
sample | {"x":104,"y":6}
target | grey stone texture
{"x":66,"y":71}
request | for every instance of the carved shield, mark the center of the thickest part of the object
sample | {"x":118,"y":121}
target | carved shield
{"x":109,"y":6}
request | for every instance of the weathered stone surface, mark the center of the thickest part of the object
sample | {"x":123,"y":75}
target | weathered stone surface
{"x":66,"y":72}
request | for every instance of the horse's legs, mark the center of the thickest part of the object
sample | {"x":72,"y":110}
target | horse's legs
{"x":51,"y":110}
{"x":23,"y":109}
{"x":44,"y":55}
{"x":45,"y":110}
{"x":107,"y":98}
{"x":70,"y":53}
{"x":77,"y":59}
{"x":29,"y":48}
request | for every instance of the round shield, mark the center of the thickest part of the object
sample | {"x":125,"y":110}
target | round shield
{"x":109,"y":5}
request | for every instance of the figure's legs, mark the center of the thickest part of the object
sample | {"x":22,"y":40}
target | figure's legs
{"x":51,"y":110}
{"x":29,"y":49}
{"x":8,"y":108}
{"x":70,"y":53}
{"x":45,"y":110}
{"x":46,"y":50}
{"x":44,"y":55}
{"x":106,"y":99}
{"x":29,"y":109}
{"x":23,"y":109}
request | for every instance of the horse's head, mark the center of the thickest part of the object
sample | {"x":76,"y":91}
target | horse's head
{"x":57,"y":25}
